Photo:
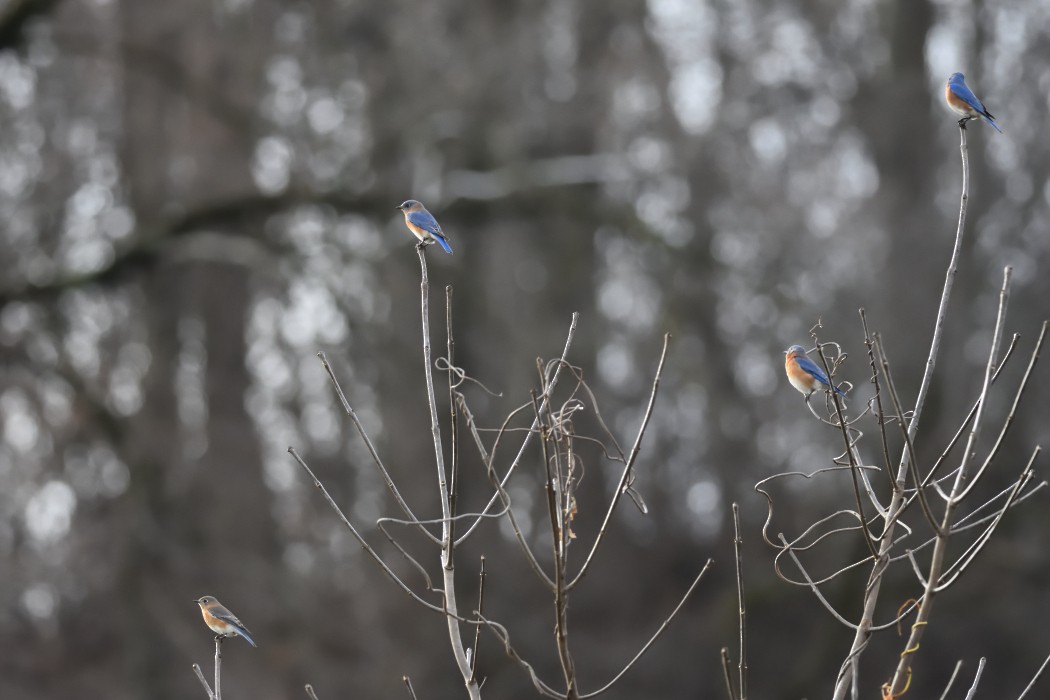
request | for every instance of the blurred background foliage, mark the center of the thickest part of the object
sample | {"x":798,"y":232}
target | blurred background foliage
{"x":197,"y":196}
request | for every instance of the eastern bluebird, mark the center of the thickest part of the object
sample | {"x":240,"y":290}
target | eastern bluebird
{"x":803,"y":372}
{"x":222,"y":622}
{"x":962,"y":101}
{"x":423,"y":225}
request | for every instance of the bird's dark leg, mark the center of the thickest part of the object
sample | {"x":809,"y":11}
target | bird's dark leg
{"x":962,"y":123}
{"x":421,"y":245}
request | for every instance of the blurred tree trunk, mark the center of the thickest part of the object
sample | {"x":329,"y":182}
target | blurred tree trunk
{"x":212,"y":511}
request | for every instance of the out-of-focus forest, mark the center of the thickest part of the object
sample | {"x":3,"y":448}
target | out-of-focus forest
{"x":197,"y":196}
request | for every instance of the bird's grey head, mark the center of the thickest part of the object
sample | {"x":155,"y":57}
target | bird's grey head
{"x":410,"y":205}
{"x":956,"y":78}
{"x":795,"y":350}
{"x":205,"y":600}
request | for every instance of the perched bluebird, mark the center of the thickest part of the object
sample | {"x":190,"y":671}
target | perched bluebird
{"x":804,"y":374}
{"x":423,"y":225}
{"x":222,"y":622}
{"x":962,"y":101}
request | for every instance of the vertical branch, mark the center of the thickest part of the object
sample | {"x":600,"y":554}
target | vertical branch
{"x":561,"y":592}
{"x":942,"y":309}
{"x":408,"y":685}
{"x":727,"y":674}
{"x":871,"y":591}
{"x":940,"y":548}
{"x":738,"y":544}
{"x":544,"y":405}
{"x":453,"y":422}
{"x":477,"y":628}
{"x":218,"y":667}
{"x":447,"y":544}
{"x":976,"y":679}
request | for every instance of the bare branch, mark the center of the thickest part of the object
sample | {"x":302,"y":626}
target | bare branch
{"x":847,"y":678}
{"x":903,"y":673}
{"x":547,"y":393}
{"x":447,"y":543}
{"x":738,"y":544}
{"x":391,"y":486}
{"x":477,"y":628}
{"x":1012,"y":413}
{"x":727,"y":673}
{"x":976,"y":679}
{"x":360,"y":539}
{"x":951,"y":680}
{"x":1034,"y":679}
{"x":408,"y":684}
{"x":203,"y":680}
{"x":622,"y":486}
{"x":656,"y":635}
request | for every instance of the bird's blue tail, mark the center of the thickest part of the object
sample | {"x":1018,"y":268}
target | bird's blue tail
{"x":840,"y":392}
{"x":992,"y":122}
{"x":448,"y":249}
{"x":244,"y":633}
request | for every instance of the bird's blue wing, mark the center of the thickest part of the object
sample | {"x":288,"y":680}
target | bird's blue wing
{"x":810,"y":366}
{"x":426,"y":221}
{"x":964,"y":93}
{"x":232,"y":620}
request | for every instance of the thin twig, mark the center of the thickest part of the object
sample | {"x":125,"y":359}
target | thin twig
{"x":621,"y":486}
{"x":1034,"y":679}
{"x":408,"y":684}
{"x":727,"y":673}
{"x":879,"y":410}
{"x":1011,"y":414}
{"x":203,"y":680}
{"x":548,"y":392}
{"x":854,"y":466}
{"x":561,"y":593}
{"x":656,"y":635}
{"x":391,"y":486}
{"x":477,"y":628}
{"x":360,"y":539}
{"x":453,"y":416}
{"x":738,"y":545}
{"x":909,"y":446}
{"x":955,"y":672}
{"x":310,"y":692}
{"x":976,"y":679}
{"x":973,"y":411}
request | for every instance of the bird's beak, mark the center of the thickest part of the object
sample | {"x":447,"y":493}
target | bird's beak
{"x":398,"y":207}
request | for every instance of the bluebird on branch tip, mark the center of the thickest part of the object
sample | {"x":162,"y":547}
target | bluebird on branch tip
{"x":962,"y":101}
{"x":804,"y":374}
{"x":423,"y":225}
{"x":221,"y":621}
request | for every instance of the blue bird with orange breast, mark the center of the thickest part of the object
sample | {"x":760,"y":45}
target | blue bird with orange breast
{"x":221,"y":621}
{"x":962,"y":101}
{"x":423,"y":225}
{"x":804,"y":374}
